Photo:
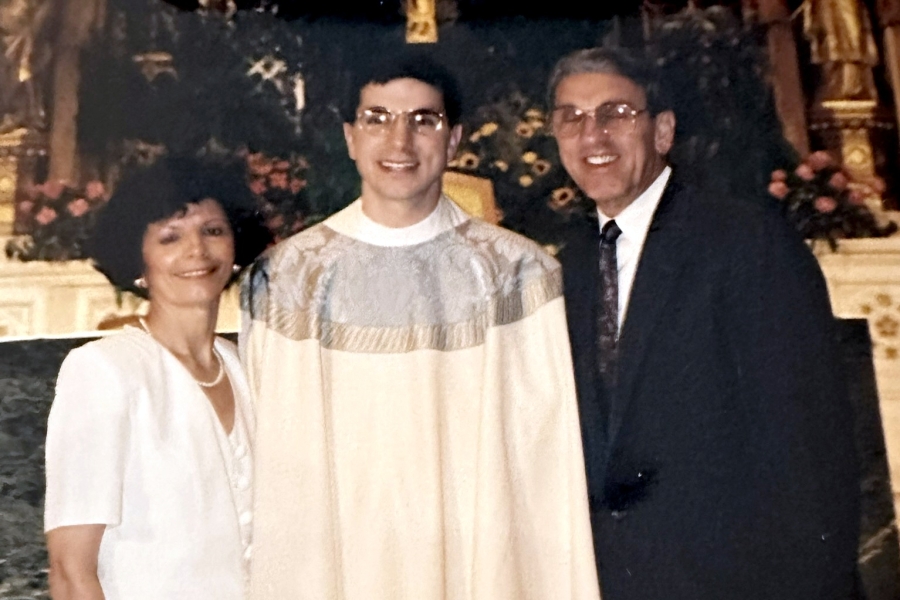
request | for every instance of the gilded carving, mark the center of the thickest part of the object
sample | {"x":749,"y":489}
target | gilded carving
{"x":887,"y":326}
{"x":25,"y":56}
{"x":421,"y":21}
{"x":841,"y":41}
{"x":881,"y":310}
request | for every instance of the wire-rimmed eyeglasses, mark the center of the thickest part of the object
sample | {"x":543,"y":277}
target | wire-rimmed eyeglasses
{"x":612,"y":117}
{"x":379,"y":120}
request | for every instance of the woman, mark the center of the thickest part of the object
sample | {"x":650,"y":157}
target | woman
{"x":149,"y":436}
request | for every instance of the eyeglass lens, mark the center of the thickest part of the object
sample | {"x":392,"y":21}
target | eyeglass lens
{"x":379,"y":120}
{"x":610,"y":117}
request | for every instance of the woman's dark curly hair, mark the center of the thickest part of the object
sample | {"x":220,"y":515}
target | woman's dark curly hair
{"x":163,"y":190}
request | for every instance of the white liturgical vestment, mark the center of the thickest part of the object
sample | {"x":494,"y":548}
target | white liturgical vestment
{"x":417,"y":427}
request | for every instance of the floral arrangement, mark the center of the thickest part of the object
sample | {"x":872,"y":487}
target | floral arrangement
{"x":59,"y":218}
{"x":823,"y":203}
{"x":279,"y":185}
{"x":510,"y":144}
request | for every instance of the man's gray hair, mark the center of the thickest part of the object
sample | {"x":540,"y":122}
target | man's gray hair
{"x":610,"y":61}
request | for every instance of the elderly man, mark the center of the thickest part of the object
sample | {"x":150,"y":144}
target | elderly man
{"x":717,"y":432}
{"x":418,"y":432}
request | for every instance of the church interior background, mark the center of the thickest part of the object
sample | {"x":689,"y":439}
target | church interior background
{"x":778,"y":101}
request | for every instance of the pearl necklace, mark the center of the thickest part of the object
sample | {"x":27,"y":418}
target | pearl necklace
{"x":203,"y":384}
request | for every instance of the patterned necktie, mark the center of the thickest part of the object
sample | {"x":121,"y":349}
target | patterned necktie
{"x":608,"y":315}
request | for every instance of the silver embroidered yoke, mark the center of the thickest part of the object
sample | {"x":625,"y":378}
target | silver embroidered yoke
{"x":442,"y":294}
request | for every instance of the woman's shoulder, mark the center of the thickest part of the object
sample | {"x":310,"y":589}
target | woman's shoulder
{"x":124,"y":345}
{"x":124,"y":351}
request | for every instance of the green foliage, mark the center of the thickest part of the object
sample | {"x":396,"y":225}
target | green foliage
{"x":728,"y":138}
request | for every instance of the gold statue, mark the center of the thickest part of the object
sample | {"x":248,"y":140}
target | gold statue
{"x":25,"y":54}
{"x":421,"y":21}
{"x":841,"y":41}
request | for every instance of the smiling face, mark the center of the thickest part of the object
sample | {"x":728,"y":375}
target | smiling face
{"x":613,"y":169}
{"x":401,"y":166}
{"x":188,"y":258}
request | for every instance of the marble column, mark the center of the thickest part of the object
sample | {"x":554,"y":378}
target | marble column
{"x":77,"y":18}
{"x":789,"y":98}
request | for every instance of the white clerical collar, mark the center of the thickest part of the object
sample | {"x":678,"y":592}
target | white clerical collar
{"x":353,"y":222}
{"x":635,"y":219}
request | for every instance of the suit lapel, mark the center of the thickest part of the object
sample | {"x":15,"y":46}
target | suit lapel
{"x":661,"y":261}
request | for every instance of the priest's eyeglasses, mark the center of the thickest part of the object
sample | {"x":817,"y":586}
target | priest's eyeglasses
{"x":614,"y":118}
{"x":379,"y":121}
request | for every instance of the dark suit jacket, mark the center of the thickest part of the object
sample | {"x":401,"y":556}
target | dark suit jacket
{"x":723,"y":466}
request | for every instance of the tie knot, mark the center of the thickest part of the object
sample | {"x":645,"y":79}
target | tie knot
{"x":610,"y":233}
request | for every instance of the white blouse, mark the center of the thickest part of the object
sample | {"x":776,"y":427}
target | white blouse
{"x":134,"y":443}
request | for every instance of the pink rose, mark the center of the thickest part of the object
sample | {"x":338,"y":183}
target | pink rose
{"x":297,"y":185}
{"x":258,"y":186}
{"x":258,"y":164}
{"x":820,"y":160}
{"x":779,"y":189}
{"x":45,"y":216}
{"x":278,"y":179}
{"x":825,"y":204}
{"x":282,"y":165}
{"x":52,"y":189}
{"x":878,"y":185}
{"x":805,"y":172}
{"x":95,"y":190}
{"x":276,"y":222}
{"x":78,"y":207}
{"x":838,"y":181}
{"x":25,"y":206}
{"x":779,"y":175}
{"x":856,"y":198}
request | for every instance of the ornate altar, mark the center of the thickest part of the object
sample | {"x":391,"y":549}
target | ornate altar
{"x":22,"y":159}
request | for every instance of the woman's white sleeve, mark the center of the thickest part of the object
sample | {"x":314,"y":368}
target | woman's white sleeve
{"x":88,"y":435}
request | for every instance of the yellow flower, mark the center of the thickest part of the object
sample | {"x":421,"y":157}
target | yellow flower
{"x":475,"y":136}
{"x":540,"y":167}
{"x":468,"y":161}
{"x":535,"y":117}
{"x":561,"y":197}
{"x":524,"y":130}
{"x":488,"y":128}
{"x":501,"y":165}
{"x":529,"y":157}
{"x":525,"y":180}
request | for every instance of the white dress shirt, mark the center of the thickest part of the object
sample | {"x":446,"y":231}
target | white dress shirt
{"x":634,"y":222}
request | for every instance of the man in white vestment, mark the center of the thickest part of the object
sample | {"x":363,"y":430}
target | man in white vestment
{"x":417,"y":427}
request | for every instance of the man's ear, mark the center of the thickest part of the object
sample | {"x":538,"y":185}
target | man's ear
{"x":453,"y":142}
{"x":349,"y":130}
{"x":664,"y":132}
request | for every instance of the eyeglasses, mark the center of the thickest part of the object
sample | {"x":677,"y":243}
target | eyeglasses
{"x":614,"y":118}
{"x":379,"y":121}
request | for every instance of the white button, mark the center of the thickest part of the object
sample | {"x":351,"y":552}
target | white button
{"x":242,"y":483}
{"x":248,"y":552}
{"x":246,"y":517}
{"x":240,"y":450}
